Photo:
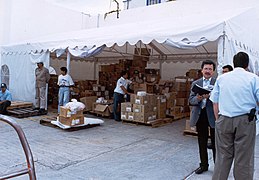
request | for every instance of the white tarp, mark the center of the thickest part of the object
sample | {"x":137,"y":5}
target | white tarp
{"x":229,"y":28}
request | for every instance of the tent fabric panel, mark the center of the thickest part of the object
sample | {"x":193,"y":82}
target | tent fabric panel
{"x":22,"y":74}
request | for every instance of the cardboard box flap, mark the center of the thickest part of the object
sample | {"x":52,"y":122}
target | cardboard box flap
{"x":111,"y":108}
{"x":101,"y":107}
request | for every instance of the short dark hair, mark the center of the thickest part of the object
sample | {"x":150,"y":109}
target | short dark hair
{"x":63,"y":69}
{"x":241,"y":59}
{"x":230,"y":68}
{"x":123,"y":73}
{"x":40,"y":63}
{"x":208,"y":62}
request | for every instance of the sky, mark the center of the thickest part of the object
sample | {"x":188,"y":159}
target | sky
{"x":92,"y":7}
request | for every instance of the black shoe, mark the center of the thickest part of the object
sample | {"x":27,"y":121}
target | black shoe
{"x":36,"y":108}
{"x":200,"y":170}
{"x":43,"y":112}
{"x":209,"y":145}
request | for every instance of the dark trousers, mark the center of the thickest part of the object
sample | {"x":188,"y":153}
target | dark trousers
{"x":117,"y":100}
{"x":4,"y":106}
{"x":203,"y":135}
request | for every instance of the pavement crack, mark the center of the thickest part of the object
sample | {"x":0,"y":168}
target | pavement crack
{"x":71,"y":163}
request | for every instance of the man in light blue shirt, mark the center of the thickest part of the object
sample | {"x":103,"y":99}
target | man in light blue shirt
{"x":5,"y":99}
{"x":234,"y":95}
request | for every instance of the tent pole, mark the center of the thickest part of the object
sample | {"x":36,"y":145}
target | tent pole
{"x":68,"y":62}
{"x":160,"y":68}
{"x":95,"y":60}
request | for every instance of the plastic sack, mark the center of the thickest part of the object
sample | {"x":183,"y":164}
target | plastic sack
{"x":74,"y":105}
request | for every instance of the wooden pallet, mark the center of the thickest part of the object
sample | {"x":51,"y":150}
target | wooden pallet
{"x":23,"y":112}
{"x":160,"y":122}
{"x":153,"y":123}
{"x":19,"y":104}
{"x":46,"y":121}
{"x":190,"y":132}
{"x":178,"y":117}
{"x":100,"y":114}
{"x":134,"y":122}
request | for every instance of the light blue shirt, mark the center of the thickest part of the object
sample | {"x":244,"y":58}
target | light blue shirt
{"x":206,"y":82}
{"x":121,"y":82}
{"x":236,"y":92}
{"x":5,"y":96}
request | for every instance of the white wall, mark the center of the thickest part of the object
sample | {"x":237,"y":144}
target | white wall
{"x":27,"y":19}
{"x":5,"y":18}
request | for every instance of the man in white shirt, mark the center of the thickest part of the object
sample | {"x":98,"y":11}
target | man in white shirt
{"x":64,"y":82}
{"x":118,"y":96}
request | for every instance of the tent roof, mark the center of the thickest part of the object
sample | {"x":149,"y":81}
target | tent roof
{"x":191,"y":26}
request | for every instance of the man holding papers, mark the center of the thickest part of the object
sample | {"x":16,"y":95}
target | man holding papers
{"x":202,"y":114}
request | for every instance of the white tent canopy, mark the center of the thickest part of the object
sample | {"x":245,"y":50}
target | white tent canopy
{"x":210,"y":34}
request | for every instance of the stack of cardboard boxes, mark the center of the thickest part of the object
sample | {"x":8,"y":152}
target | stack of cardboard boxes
{"x":69,"y":118}
{"x":88,"y":102}
{"x":140,"y":108}
{"x":177,"y":101}
{"x":84,"y":87}
{"x":53,"y":91}
{"x":100,"y":91}
{"x":109,"y":75}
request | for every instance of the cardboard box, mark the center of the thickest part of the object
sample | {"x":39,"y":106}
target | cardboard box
{"x":131,"y":116}
{"x":193,"y":73}
{"x":176,"y":111}
{"x":142,"y":100}
{"x":182,"y":94}
{"x":103,"y":109}
{"x":88,"y":101}
{"x":138,"y":108}
{"x":124,"y":115}
{"x":132,"y":98}
{"x":64,"y":112}
{"x":98,"y":93}
{"x":180,"y":86}
{"x":152,"y":99}
{"x":140,"y":87}
{"x":161,"y":108}
{"x":144,"y":117}
{"x":106,"y":93}
{"x":181,"y":102}
{"x":96,"y":87}
{"x":171,"y":99}
{"x":102,"y":88}
{"x":126,"y":107}
{"x":72,"y":121}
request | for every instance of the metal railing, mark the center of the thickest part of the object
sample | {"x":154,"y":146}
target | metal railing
{"x":26,"y":148}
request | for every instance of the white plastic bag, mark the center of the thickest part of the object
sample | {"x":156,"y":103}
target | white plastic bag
{"x":74,"y":106}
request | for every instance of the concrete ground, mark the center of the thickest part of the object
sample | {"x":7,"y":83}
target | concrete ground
{"x":111,"y":151}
